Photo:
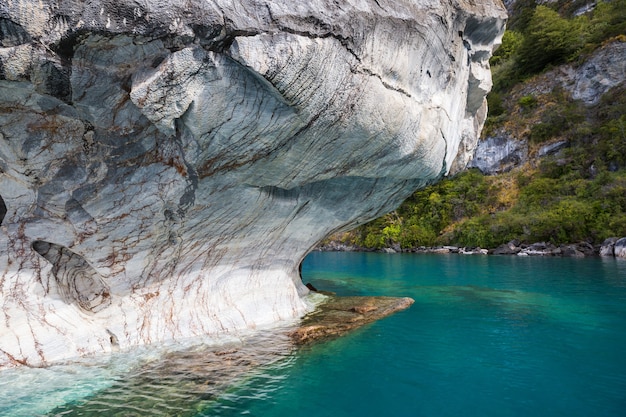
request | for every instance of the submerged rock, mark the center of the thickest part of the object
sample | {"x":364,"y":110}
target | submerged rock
{"x":339,"y":315}
{"x":167,"y":380}
{"x":166,"y":166}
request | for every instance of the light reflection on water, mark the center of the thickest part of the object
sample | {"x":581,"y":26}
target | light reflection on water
{"x":146,"y":381}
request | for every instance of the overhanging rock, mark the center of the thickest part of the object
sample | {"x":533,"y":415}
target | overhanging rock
{"x":166,"y":165}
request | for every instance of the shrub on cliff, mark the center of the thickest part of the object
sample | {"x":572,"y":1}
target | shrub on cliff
{"x":607,"y":21}
{"x":464,"y":211}
{"x":549,"y":40}
{"x":540,"y":36}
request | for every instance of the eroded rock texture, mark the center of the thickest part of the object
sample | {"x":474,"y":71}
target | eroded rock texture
{"x":166,"y":165}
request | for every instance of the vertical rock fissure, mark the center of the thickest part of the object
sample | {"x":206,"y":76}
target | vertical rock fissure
{"x":3,"y":210}
{"x":188,"y":198}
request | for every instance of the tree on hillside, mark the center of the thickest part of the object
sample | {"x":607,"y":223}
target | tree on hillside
{"x":549,"y":40}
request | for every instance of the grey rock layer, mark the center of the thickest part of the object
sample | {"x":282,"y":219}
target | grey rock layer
{"x":620,"y":248}
{"x":166,"y":165}
{"x":602,"y":71}
{"x":500,"y":153}
{"x":608,"y":247}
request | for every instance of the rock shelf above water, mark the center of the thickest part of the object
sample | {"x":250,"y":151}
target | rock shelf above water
{"x":166,"y":165}
{"x":339,"y":315}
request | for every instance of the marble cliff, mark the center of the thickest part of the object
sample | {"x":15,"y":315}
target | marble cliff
{"x":165,"y":165}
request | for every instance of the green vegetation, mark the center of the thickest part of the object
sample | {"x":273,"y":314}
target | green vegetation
{"x":548,"y":40}
{"x":475,"y":210}
{"x":540,"y":37}
{"x":578,"y":194}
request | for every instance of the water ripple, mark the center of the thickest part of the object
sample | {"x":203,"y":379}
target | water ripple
{"x":145,"y":382}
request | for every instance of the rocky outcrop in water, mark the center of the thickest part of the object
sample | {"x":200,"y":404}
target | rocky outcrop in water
{"x":614,"y":246}
{"x":339,"y":315}
{"x":620,"y":248}
{"x":165,"y":166}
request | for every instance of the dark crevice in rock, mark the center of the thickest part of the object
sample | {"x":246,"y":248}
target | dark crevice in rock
{"x":115,"y":344}
{"x":78,"y":283}
{"x":67,"y":45}
{"x":345,"y":42}
{"x":467,"y":46}
{"x":212,"y":37}
{"x":188,"y":198}
{"x":224,"y":43}
{"x":445,"y":155}
{"x":277,"y":193}
{"x":206,"y":33}
{"x":322,"y":30}
{"x":326,"y":32}
{"x":12,"y":34}
{"x":378,"y":4}
{"x":155,"y":63}
{"x":386,"y":84}
{"x":176,"y":43}
{"x":126,"y":83}
{"x":56,"y":82}
{"x":3,"y":210}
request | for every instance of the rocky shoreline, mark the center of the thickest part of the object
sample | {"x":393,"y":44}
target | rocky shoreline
{"x":611,"y":247}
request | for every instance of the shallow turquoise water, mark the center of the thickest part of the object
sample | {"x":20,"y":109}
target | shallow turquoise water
{"x":487,"y":336}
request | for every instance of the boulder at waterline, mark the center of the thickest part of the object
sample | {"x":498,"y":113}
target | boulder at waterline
{"x":620,"y":248}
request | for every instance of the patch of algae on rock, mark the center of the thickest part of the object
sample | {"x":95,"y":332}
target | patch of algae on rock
{"x":339,"y":315}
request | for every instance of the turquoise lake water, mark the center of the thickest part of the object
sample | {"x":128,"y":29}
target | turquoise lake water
{"x":487,"y":336}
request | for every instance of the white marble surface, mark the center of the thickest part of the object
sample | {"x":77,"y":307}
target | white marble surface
{"x":165,"y":167}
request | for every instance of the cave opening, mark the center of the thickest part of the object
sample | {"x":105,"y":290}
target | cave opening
{"x":3,"y":210}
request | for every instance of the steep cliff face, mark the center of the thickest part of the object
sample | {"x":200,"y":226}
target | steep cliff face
{"x":586,"y":82}
{"x":165,"y":166}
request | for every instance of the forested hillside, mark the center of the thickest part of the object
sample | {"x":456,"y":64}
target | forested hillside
{"x":559,"y":99}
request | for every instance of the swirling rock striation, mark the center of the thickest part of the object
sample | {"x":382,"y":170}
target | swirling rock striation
{"x":166,"y":165}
